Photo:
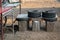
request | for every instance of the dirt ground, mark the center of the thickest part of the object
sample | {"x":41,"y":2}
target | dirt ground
{"x":29,"y":35}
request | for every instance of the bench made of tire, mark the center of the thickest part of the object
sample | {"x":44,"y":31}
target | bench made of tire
{"x":49,"y":14}
{"x":22,"y":21}
{"x":34,"y":14}
{"x":51,"y":19}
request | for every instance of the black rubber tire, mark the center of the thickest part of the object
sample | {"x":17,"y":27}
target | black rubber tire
{"x":48,"y":14}
{"x":34,"y":14}
{"x":51,"y":19}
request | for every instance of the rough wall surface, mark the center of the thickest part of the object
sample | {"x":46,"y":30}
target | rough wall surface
{"x":40,"y":3}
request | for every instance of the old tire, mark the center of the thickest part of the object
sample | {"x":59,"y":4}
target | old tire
{"x":49,"y":14}
{"x":34,"y":14}
{"x":51,"y":19}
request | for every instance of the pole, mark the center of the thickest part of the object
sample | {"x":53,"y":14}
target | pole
{"x":46,"y":25}
{"x":1,"y":27}
{"x":20,"y":7}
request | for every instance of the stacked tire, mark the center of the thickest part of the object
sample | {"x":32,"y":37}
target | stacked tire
{"x":34,"y":14}
{"x":49,"y":16}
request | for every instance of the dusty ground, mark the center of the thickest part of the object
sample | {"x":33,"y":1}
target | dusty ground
{"x":29,"y":35}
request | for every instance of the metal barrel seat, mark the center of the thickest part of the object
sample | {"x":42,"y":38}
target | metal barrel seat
{"x":50,"y":18}
{"x":35,"y":15}
{"x":22,"y":21}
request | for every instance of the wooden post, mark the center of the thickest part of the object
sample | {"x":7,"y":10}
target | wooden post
{"x":20,"y":6}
